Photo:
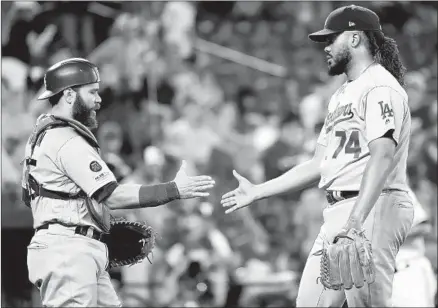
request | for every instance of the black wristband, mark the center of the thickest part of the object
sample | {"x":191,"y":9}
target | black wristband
{"x":155,"y":195}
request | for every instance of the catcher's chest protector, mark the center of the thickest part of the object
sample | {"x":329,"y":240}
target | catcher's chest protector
{"x":33,"y":188}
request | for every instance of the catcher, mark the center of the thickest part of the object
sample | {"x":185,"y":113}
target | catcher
{"x":71,"y":191}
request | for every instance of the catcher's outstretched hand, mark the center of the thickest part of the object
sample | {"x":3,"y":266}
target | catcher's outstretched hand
{"x":192,"y":186}
{"x":242,"y":196}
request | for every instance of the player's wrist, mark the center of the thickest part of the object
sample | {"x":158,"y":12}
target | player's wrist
{"x":172,"y":190}
{"x":353,"y":222}
{"x":257,"y":193}
{"x":158,"y":194}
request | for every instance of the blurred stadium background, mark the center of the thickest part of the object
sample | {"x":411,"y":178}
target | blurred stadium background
{"x":223,"y":85}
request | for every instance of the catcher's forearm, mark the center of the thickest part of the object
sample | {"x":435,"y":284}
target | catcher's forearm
{"x":295,"y":179}
{"x":374,"y":178}
{"x":132,"y":196}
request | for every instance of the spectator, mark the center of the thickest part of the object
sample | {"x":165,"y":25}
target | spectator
{"x":286,"y":151}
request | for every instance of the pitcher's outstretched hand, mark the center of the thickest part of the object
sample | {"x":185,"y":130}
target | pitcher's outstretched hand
{"x":242,"y":196}
{"x":192,"y":186}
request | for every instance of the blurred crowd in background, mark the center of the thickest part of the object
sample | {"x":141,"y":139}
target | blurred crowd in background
{"x":168,"y":95}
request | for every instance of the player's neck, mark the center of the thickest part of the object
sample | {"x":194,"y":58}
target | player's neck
{"x":59,"y":110}
{"x":358,"y":67}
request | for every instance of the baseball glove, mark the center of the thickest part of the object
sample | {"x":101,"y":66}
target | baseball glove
{"x":129,"y":242}
{"x":347,"y":264}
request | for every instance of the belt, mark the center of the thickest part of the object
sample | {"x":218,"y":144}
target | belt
{"x":87,"y":231}
{"x":334,"y":196}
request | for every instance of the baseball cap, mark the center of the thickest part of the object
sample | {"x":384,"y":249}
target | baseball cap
{"x":348,"y":18}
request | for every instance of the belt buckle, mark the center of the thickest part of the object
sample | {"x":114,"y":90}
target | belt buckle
{"x":94,"y":234}
{"x":330,"y":198}
{"x":334,"y":196}
{"x":90,"y":232}
{"x":337,"y":195}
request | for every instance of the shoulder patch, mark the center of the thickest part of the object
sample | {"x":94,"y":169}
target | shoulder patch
{"x":386,"y":110}
{"x":95,"y":166}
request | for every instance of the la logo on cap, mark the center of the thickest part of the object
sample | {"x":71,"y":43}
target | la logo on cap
{"x":351,"y":24}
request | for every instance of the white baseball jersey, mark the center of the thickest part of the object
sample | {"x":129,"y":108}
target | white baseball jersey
{"x":67,"y":163}
{"x":359,"y":112}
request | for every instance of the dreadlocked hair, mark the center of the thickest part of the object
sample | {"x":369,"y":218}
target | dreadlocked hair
{"x":385,"y":52}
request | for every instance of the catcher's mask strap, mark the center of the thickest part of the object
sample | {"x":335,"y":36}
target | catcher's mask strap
{"x":60,"y":195}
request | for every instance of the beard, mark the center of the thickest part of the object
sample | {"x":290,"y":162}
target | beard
{"x":339,"y":63}
{"x":83,"y":114}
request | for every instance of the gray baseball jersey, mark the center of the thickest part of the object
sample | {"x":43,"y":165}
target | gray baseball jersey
{"x":67,"y":163}
{"x":359,"y":112}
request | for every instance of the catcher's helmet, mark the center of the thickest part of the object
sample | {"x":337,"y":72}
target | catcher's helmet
{"x":68,"y":73}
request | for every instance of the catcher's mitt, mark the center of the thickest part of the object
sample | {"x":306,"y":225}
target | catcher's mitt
{"x":347,"y":264}
{"x":129,"y":242}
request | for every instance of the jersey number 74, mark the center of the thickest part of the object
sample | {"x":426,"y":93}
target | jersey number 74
{"x":352,"y":146}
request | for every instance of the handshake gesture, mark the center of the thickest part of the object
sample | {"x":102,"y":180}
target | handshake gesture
{"x":197,"y":186}
{"x":192,"y":186}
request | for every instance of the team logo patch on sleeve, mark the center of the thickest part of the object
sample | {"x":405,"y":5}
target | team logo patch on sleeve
{"x":386,"y":111}
{"x":95,"y":166}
